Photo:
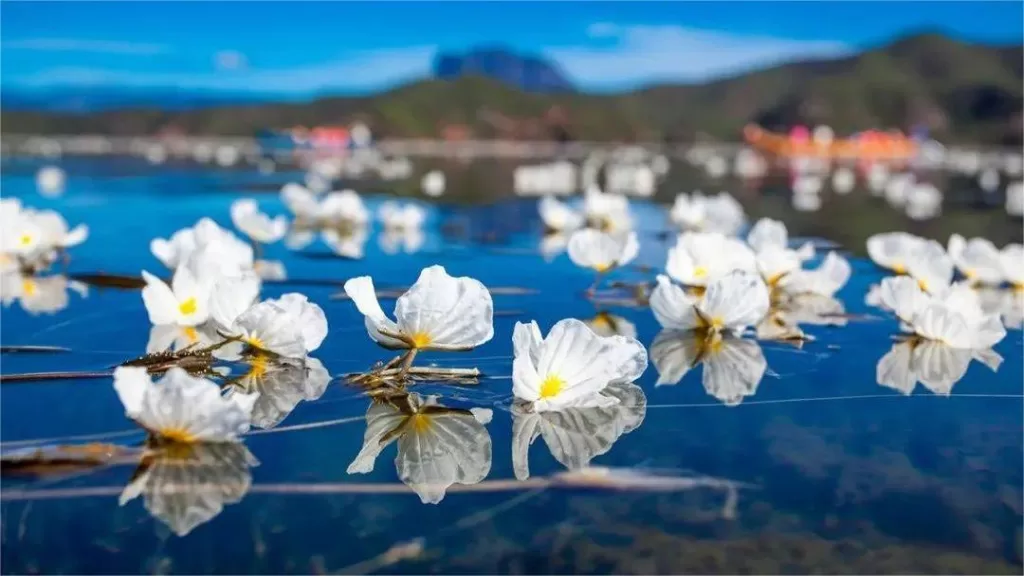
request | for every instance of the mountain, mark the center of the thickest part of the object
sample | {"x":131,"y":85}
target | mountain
{"x":528,"y":73}
{"x":964,"y":92}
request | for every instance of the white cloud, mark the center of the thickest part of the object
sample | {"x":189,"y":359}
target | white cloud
{"x":647,"y":54}
{"x":81,"y":45}
{"x":369,"y":70}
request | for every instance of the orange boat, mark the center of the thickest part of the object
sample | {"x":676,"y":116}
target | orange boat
{"x":871,"y":145}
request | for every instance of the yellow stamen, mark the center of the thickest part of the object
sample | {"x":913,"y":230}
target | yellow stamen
{"x":421,"y":340}
{"x":258,"y":366}
{"x":28,"y":287}
{"x":700,"y":272}
{"x":923,"y":284}
{"x":899,"y":268}
{"x":551,"y":386}
{"x":255,"y":342}
{"x":773,"y":280}
{"x":696,"y":291}
{"x":25,"y":239}
{"x":601,"y":321}
{"x":188,"y":307}
{"x":191,"y":334}
{"x":601,"y":268}
{"x":177,"y":434}
{"x":419,"y":423}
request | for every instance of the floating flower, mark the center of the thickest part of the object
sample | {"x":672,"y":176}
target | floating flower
{"x":557,"y":216}
{"x":175,"y":337}
{"x":181,"y":408}
{"x":184,"y":303}
{"x":602,"y":251}
{"x":407,"y":240}
{"x":775,"y":263}
{"x":577,"y":435}
{"x":730,"y":304}
{"x":290,"y":326}
{"x":607,"y":212}
{"x":438,"y":312}
{"x":955,"y":319}
{"x":50,"y":181}
{"x":977,"y":259}
{"x":720,"y":213}
{"x":204,"y":246}
{"x":893,"y":250}
{"x":767,"y":233}
{"x":1011,"y":260}
{"x":699,"y":258}
{"x":246,"y":216}
{"x":827,"y":279}
{"x":437,"y":446}
{"x":33,"y":238}
{"x":347,"y":242}
{"x":733,"y":367}
{"x":572,"y":366}
{"x":185,"y":486}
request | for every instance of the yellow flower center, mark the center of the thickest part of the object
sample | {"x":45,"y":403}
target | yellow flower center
{"x":25,"y":239}
{"x":28,"y":287}
{"x":255,"y":342}
{"x":700,"y":272}
{"x":191,"y":334}
{"x":551,"y":386}
{"x":177,"y":434}
{"x":774,"y":279}
{"x":258,"y":366}
{"x":188,"y":307}
{"x":923,"y":284}
{"x":419,"y":423}
{"x":601,"y":321}
{"x":970,"y":274}
{"x":603,"y":267}
{"x":421,"y":340}
{"x":899,"y":268}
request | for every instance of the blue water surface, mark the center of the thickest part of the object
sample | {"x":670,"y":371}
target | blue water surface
{"x":831,"y":472}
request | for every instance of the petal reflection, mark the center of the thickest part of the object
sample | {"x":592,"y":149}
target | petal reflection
{"x":282,"y":383}
{"x":575,"y":436}
{"x":39,"y":294}
{"x":184,"y":486}
{"x":437,"y":446}
{"x":733,"y":367}
{"x":937,"y":366}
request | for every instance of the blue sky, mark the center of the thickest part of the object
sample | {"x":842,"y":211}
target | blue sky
{"x":347,"y":47}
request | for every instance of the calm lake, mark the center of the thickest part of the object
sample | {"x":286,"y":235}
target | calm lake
{"x":817,"y":468}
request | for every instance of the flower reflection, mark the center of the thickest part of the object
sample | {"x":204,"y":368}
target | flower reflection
{"x":1007,"y":303}
{"x":733,"y":367}
{"x":553,"y":244}
{"x":185,"y":485}
{"x":577,"y":435}
{"x":39,"y":294}
{"x":606,"y":324}
{"x":937,"y":366}
{"x":437,"y":446}
{"x":407,"y":240}
{"x":281,"y":383}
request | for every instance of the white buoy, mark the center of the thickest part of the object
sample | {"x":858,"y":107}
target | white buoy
{"x":433,"y":183}
{"x":50,"y":181}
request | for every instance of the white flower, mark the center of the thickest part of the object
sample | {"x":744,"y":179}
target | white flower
{"x":602,"y":251}
{"x":289,"y":326}
{"x":54,"y":230}
{"x":407,"y":240}
{"x":182,"y":408}
{"x":731,"y":303}
{"x":720,"y":213}
{"x":50,"y":181}
{"x":688,"y":212}
{"x":699,"y":258}
{"x":401,"y":216}
{"x":575,"y":436}
{"x":558,"y":216}
{"x":438,"y":312}
{"x":207,"y":246}
{"x":246,"y":216}
{"x":931,"y":267}
{"x":551,"y":245}
{"x":572,"y":365}
{"x":437,"y":446}
{"x":607,"y":212}
{"x":955,"y":319}
{"x":733,"y":367}
{"x":768,"y":233}
{"x":175,"y":337}
{"x":188,"y":485}
{"x":343,"y":206}
{"x":775,"y":263}
{"x":184,"y":303}
{"x":893,"y":250}
{"x":977,"y":259}
{"x":300,"y":201}
{"x":1011,"y":260}
{"x":346,"y":242}
{"x":827,"y":279}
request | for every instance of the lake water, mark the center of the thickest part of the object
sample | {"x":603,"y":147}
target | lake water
{"x":818,"y":469}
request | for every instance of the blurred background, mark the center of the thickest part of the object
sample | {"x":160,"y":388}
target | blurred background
{"x":919,"y":103}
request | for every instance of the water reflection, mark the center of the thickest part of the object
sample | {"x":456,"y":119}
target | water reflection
{"x":553,"y":244}
{"x":733,"y":367}
{"x":935,"y":365}
{"x":281,"y":383}
{"x":39,"y":294}
{"x":185,"y":485}
{"x":605,"y":323}
{"x":575,"y":436}
{"x":405,"y":240}
{"x":437,"y":446}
